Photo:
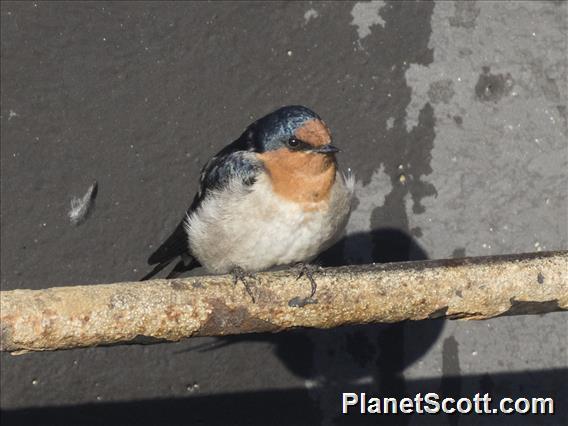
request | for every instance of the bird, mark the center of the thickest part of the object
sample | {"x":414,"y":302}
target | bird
{"x":275,"y":196}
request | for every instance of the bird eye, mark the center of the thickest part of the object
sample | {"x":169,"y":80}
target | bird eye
{"x":293,"y":143}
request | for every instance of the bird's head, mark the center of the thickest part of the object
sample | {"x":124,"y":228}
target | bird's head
{"x":294,"y":129}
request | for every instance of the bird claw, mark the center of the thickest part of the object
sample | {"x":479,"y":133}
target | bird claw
{"x":239,"y":274}
{"x":308,"y":270}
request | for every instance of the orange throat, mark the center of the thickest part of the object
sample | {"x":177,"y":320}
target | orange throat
{"x":305,"y":178}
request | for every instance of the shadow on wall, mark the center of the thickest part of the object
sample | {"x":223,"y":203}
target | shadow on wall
{"x":371,"y":356}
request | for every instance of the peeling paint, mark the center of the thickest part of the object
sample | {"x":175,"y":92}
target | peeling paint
{"x":466,"y":13}
{"x":500,"y":138}
{"x":441,"y":91}
{"x":365,"y":15}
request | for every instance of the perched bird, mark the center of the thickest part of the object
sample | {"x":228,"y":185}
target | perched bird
{"x":272,"y":197}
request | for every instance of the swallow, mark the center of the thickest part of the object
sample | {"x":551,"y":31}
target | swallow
{"x":274,"y":196}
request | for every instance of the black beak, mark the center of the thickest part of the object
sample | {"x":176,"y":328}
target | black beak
{"x":326,"y":149}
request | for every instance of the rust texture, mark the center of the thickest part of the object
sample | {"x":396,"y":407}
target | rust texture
{"x":474,"y":288}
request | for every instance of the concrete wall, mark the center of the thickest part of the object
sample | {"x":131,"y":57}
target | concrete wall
{"x":451,"y":114}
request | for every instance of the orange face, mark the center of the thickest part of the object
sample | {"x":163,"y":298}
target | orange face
{"x":302,"y":177}
{"x":314,"y":132}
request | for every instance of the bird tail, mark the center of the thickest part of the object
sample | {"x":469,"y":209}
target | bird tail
{"x":156,"y":269}
{"x":186,"y":263}
{"x":174,"y":247}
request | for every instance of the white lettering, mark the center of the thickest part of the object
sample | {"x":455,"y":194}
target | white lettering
{"x":406,"y":405}
{"x":430,"y":403}
{"x":526,"y":405}
{"x":433,"y":406}
{"x":418,"y":402}
{"x":503,"y":408}
{"x":445,"y":408}
{"x":349,"y":398}
{"x":461,"y":403}
{"x":393,"y":406}
{"x":542,"y":409}
{"x":374,"y":406}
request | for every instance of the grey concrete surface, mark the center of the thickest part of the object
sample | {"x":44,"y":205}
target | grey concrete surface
{"x":451,"y":114}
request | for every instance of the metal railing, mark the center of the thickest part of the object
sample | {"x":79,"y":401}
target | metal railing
{"x":470,"y":288}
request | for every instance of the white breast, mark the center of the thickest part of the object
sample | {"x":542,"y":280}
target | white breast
{"x":255,"y":229}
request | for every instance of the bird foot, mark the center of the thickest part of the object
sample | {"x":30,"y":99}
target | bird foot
{"x":308,"y":270}
{"x":239,"y":274}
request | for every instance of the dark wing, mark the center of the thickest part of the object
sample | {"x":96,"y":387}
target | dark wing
{"x":234,"y":161}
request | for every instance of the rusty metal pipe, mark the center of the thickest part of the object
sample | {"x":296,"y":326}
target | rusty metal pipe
{"x":472,"y":288}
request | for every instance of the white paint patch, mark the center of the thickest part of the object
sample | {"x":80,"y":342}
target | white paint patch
{"x":309,"y":15}
{"x":495,"y":162}
{"x":365,"y":15}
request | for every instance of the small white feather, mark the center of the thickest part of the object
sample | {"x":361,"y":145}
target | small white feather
{"x":81,"y":207}
{"x":349,"y":178}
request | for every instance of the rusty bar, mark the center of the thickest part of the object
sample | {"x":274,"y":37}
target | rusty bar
{"x":471,"y":288}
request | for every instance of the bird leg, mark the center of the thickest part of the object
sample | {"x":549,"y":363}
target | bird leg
{"x":239,"y":274}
